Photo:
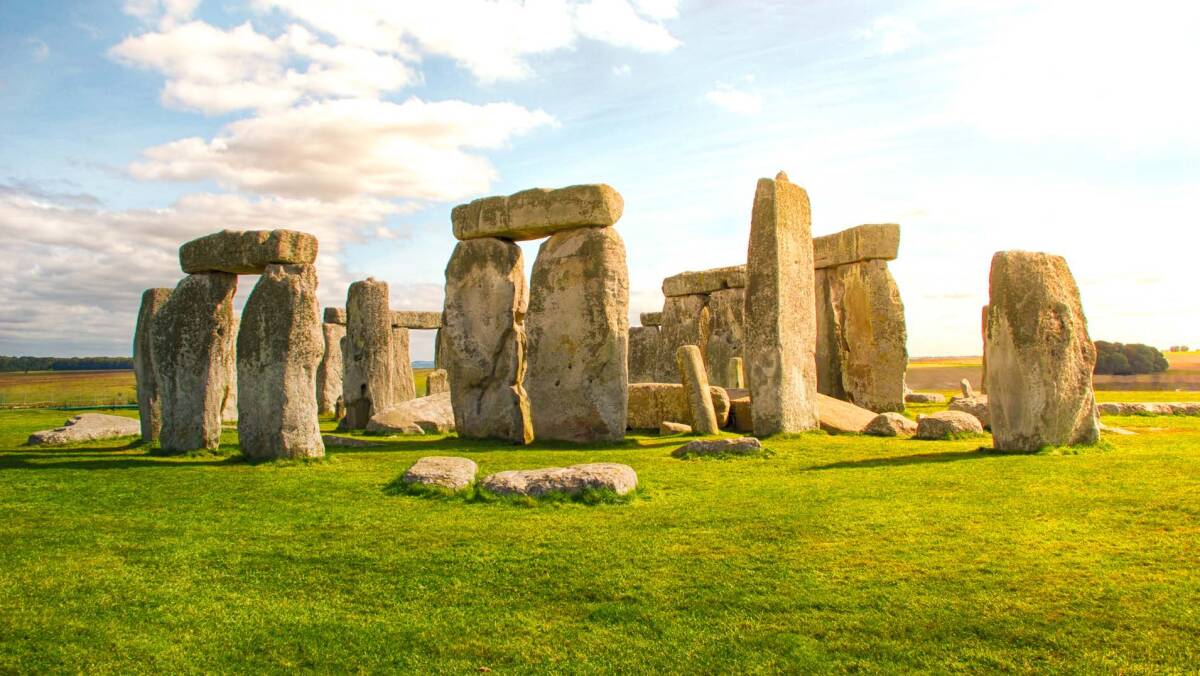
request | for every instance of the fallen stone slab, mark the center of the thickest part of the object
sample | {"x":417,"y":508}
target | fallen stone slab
{"x":247,"y":252}
{"x":412,"y":319}
{"x":573,"y":480}
{"x":335,"y":315}
{"x":1148,"y":408}
{"x":741,"y":417}
{"x":710,"y":447}
{"x":446,"y":472}
{"x":87,"y":427}
{"x":841,"y":417}
{"x":948,"y":425}
{"x":651,"y":319}
{"x":705,"y":281}
{"x":666,"y":428}
{"x":853,"y":245}
{"x":426,"y":415}
{"x":924,"y":398}
{"x":538,"y":213}
{"x":348,"y":442}
{"x":652,"y":403}
{"x":1119,"y":431}
{"x":698,"y":393}
{"x":890,"y":424}
{"x":437,"y":382}
{"x":976,"y":406}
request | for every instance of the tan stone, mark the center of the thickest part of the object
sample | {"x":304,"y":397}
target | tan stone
{"x":891,"y":424}
{"x":685,"y":321}
{"x":149,"y":404}
{"x":829,"y":342}
{"x":652,"y":403}
{"x":447,"y":472}
{"x":780,"y":317}
{"x":87,"y":427}
{"x":538,"y":213}
{"x":736,"y":374}
{"x":643,"y":353}
{"x":367,"y":379}
{"x":437,"y":382}
{"x":229,"y":400}
{"x":667,"y":428}
{"x":701,"y":414}
{"x":948,"y":425}
{"x":869,"y":335}
{"x":976,"y":406}
{"x":483,"y":340}
{"x":841,"y":417}
{"x":578,"y":337}
{"x":740,"y":413}
{"x":857,"y":244}
{"x":427,"y":415}
{"x":1039,"y":355}
{"x":924,"y":398}
{"x":705,"y":281}
{"x":719,"y":447}
{"x":247,"y":252}
{"x":726,"y":337}
{"x":329,"y":371}
{"x":411,"y":319}
{"x":403,"y":381}
{"x":279,"y":347}
{"x":335,"y":315}
{"x":611,"y":476}
{"x":651,"y":319}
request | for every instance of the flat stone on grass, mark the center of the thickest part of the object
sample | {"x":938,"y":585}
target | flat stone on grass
{"x":87,"y":427}
{"x":719,"y":447}
{"x":446,"y":472}
{"x":890,"y":425}
{"x":570,"y":481}
{"x":948,"y":425}
{"x":667,"y":428}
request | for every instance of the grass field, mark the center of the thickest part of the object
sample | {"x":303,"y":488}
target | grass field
{"x":836,"y":553}
{"x":934,"y":374}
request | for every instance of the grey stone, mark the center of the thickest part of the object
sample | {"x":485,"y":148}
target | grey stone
{"x":369,"y":366}
{"x":411,"y":319}
{"x":701,"y":413}
{"x":403,"y":381}
{"x":247,"y":252}
{"x":578,"y":336}
{"x":538,"y":213}
{"x":279,"y":347}
{"x":947,"y":425}
{"x":651,"y":319}
{"x":87,"y":427}
{"x":976,"y":406}
{"x":891,"y":424}
{"x":437,"y":382}
{"x":652,"y":403}
{"x":643,"y":353}
{"x":621,"y":479}
{"x":726,"y":337}
{"x":965,"y":386}
{"x":667,"y":428}
{"x":924,"y":398}
{"x":426,"y":415}
{"x":857,"y":244}
{"x":710,"y":447}
{"x":329,"y":371}
{"x":149,"y":405}
{"x":335,"y":315}
{"x":229,"y":400}
{"x":447,"y":472}
{"x":705,"y":281}
{"x":736,"y":374}
{"x":685,"y":321}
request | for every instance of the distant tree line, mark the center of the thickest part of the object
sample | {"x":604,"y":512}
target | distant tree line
{"x":20,"y":364}
{"x":1124,"y":359}
{"x":1179,"y":348}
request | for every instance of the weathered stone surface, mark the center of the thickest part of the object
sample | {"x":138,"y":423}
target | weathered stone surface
{"x":279,"y":347}
{"x":701,"y":413}
{"x":868,"y":343}
{"x":976,"y":406}
{"x":87,"y":427}
{"x":685,"y":321}
{"x":483,"y":340}
{"x":983,"y":370}
{"x":726,"y":336}
{"x":705,"y":281}
{"x":427,"y":415}
{"x":651,"y":319}
{"x":411,"y":319}
{"x":1149,"y":408}
{"x":335,"y":315}
{"x":779,"y":312}
{"x":149,"y":405}
{"x":652,"y":403}
{"x":829,"y":344}
{"x":578,"y":333}
{"x":924,"y":398}
{"x":537,"y":213}
{"x":437,"y":382}
{"x":947,"y":425}
{"x":708,"y":447}
{"x":1039,"y":355}
{"x":229,"y":400}
{"x":620,"y":479}
{"x":890,"y":424}
{"x":967,"y":391}
{"x":857,"y":244}
{"x":840,"y":417}
{"x":191,"y":342}
{"x":1118,"y":431}
{"x":667,"y":428}
{"x":329,"y":371}
{"x":643,"y":353}
{"x":369,"y":362}
{"x":736,"y":374}
{"x":446,"y":472}
{"x":741,"y":419}
{"x":403,"y":381}
{"x":247,"y":252}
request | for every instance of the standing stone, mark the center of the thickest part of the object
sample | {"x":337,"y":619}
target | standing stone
{"x":247,"y":252}
{"x":695,"y":386}
{"x":983,"y":368}
{"x":685,"y":321}
{"x":368,"y":360}
{"x":335,"y":315}
{"x":438,"y":353}
{"x":737,"y":371}
{"x":651,"y":319}
{"x":191,"y":344}
{"x":780,"y":317}
{"x":437,"y":382}
{"x":726,"y":335}
{"x":329,"y":371}
{"x":643,"y":353}
{"x":149,"y":405}
{"x":578,"y":329}
{"x":870,"y":335}
{"x":279,"y":346}
{"x":483,"y":340}
{"x":829,"y":348}
{"x":402,"y":379}
{"x":229,"y":401}
{"x":1039,"y":355}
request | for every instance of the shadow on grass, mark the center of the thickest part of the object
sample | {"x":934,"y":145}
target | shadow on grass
{"x":29,"y":461}
{"x":913,"y":459}
{"x":459,"y":445}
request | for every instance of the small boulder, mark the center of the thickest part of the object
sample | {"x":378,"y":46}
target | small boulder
{"x":442,"y":471}
{"x":426,"y":415}
{"x":948,"y":425}
{"x":708,"y":447}
{"x":618,"y":478}
{"x":841,"y":417}
{"x":924,"y":398}
{"x":666,"y":428}
{"x":87,"y":427}
{"x":976,"y":406}
{"x":890,"y":425}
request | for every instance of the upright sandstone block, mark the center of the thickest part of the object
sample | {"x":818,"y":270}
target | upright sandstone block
{"x":279,"y":347}
{"x":329,"y":371}
{"x":1039,"y":355}
{"x":483,"y":340}
{"x":149,"y":404}
{"x":779,"y":312}
{"x":191,"y":352}
{"x":643,"y":353}
{"x":402,"y":378}
{"x":247,"y":252}
{"x":685,"y":321}
{"x":229,"y":400}
{"x":726,"y":335}
{"x":869,"y":334}
{"x":437,"y":382}
{"x":578,"y":332}
{"x":367,"y":386}
{"x":695,"y":385}
{"x":537,"y":213}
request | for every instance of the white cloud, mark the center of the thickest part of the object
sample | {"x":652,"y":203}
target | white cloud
{"x":162,"y":12}
{"x":658,"y":9}
{"x":734,"y":100}
{"x":618,"y":24}
{"x":891,"y":34}
{"x":338,"y":149}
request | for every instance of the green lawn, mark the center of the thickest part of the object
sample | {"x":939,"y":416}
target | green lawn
{"x":836,"y":553}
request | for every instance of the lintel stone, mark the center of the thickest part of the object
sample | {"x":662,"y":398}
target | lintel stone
{"x":538,"y":213}
{"x":247,"y":252}
{"x":853,"y":245}
{"x":705,"y":281}
{"x":412,"y":319}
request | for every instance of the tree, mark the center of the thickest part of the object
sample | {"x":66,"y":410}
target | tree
{"x":1128,"y":359}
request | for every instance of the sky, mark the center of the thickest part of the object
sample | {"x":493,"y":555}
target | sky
{"x":131,"y":126}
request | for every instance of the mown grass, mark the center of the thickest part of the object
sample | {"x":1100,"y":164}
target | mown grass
{"x":836,"y":553}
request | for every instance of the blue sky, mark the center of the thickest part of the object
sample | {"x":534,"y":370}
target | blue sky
{"x":128,"y":127}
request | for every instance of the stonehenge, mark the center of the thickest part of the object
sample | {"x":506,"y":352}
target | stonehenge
{"x":368,"y":358}
{"x":248,"y":252}
{"x":701,"y":414}
{"x":149,"y":405}
{"x":329,"y":371}
{"x":538,"y":213}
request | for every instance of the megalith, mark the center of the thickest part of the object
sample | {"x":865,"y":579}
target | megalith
{"x":229,"y":400}
{"x":482,"y":346}
{"x":368,"y":360}
{"x":191,"y":344}
{"x":779,"y":312}
{"x":437,"y":382}
{"x":578,"y":331}
{"x":1039,"y":355}
{"x":280,"y":344}
{"x":643,"y":353}
{"x":870,"y":335}
{"x":695,"y":385}
{"x":402,"y":378}
{"x":726,"y":335}
{"x":329,"y":371}
{"x":149,"y":404}
{"x":685,"y":321}
{"x":538,"y":212}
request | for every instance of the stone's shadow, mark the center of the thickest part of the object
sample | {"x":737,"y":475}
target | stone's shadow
{"x":456,"y":445}
{"x":913,"y":459}
{"x":102,"y":461}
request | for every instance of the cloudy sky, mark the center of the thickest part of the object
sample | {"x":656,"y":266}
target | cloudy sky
{"x":129,"y":127}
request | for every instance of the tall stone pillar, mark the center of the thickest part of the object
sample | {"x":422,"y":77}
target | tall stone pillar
{"x":643,"y":353}
{"x":369,"y":367}
{"x":229,"y":401}
{"x":685,"y":321}
{"x":329,"y":371}
{"x":149,"y":404}
{"x":402,"y":379}
{"x":726,"y":336}
{"x":871,"y":336}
